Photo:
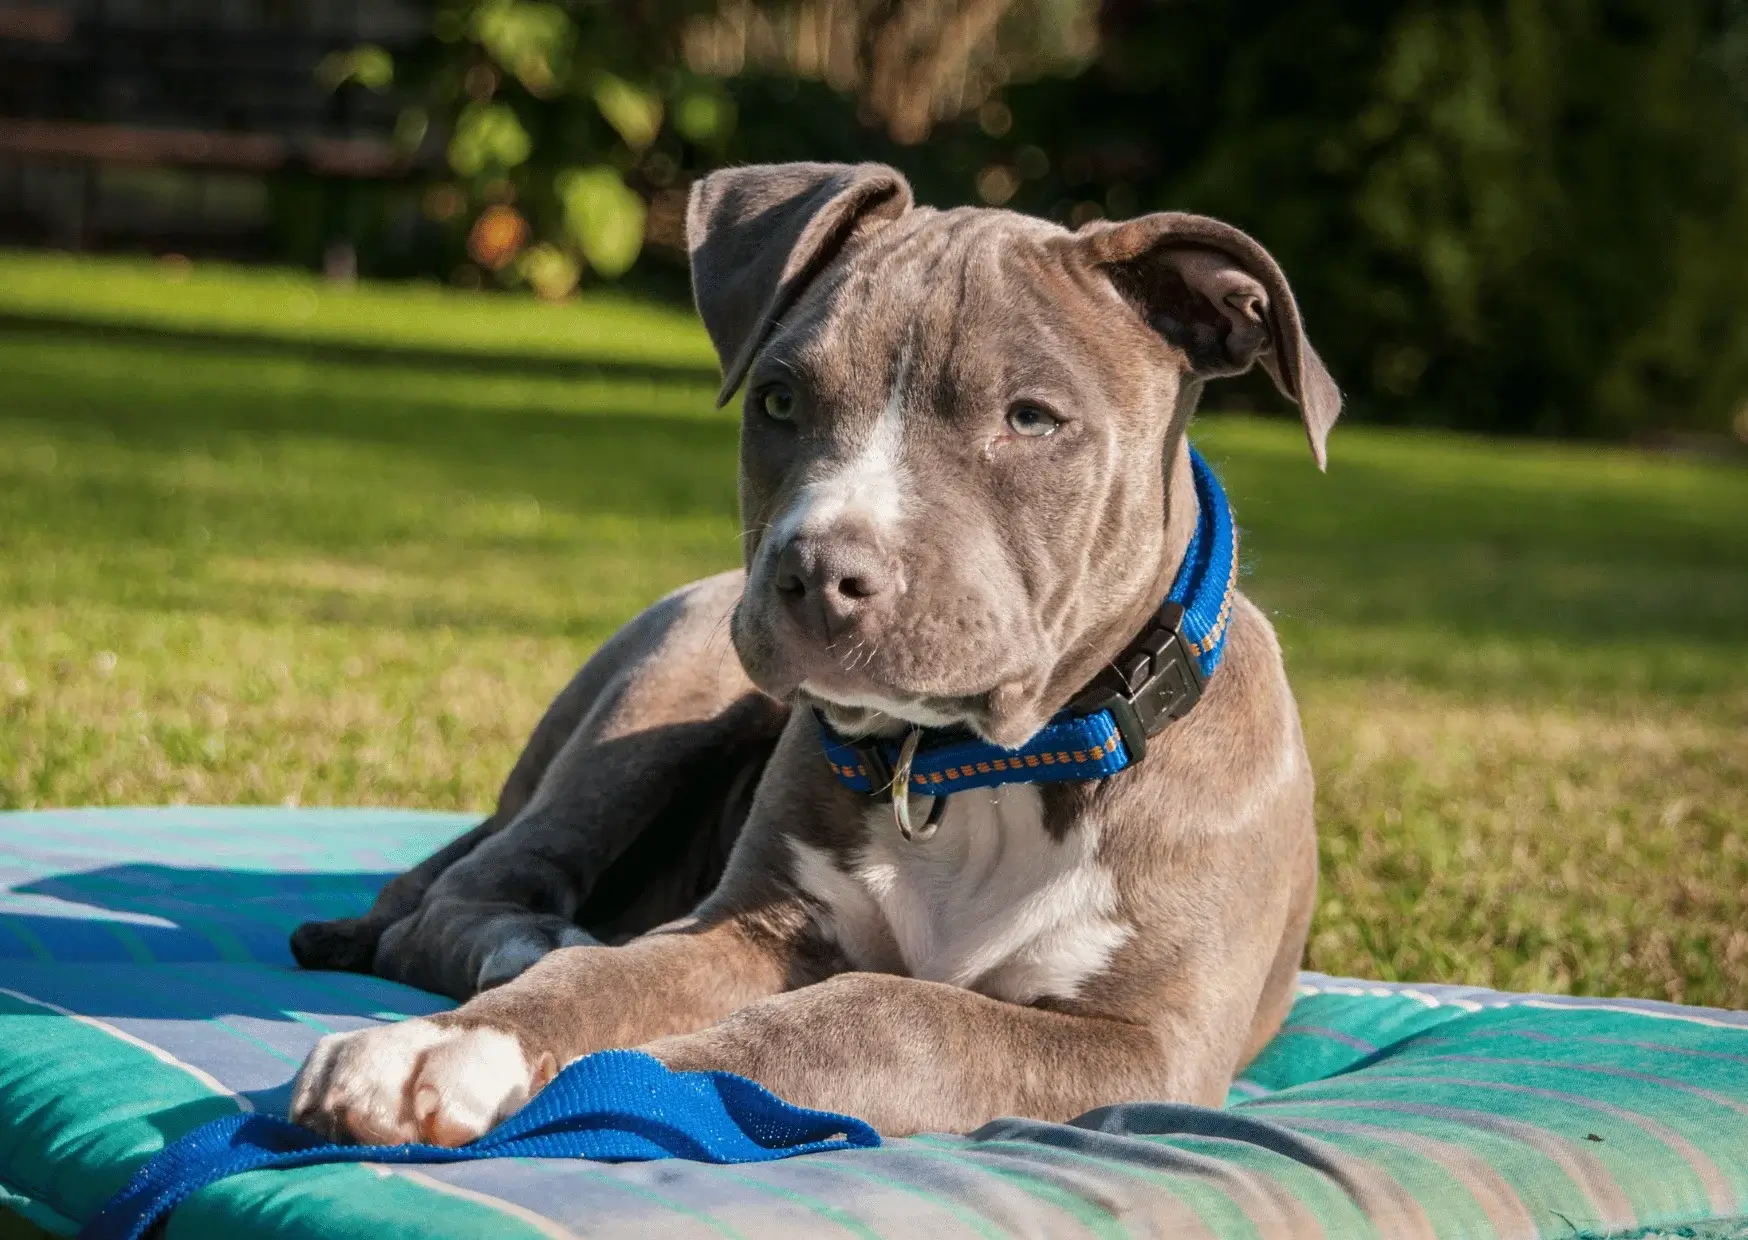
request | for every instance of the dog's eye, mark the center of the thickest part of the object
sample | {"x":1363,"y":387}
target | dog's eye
{"x":777,"y":402}
{"x":1033,"y":421}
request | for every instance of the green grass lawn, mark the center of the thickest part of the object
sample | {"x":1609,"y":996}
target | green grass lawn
{"x":262,"y":540}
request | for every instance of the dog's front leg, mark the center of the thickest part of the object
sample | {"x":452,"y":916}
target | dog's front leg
{"x":447,"y":1079}
{"x":914,"y":1056}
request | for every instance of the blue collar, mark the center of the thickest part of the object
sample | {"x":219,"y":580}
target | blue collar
{"x":1157,"y":678}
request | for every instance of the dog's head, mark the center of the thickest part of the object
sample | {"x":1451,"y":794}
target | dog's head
{"x":960,"y":430}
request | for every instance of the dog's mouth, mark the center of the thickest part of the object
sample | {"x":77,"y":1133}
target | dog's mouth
{"x":856,"y":715}
{"x":885,"y":692}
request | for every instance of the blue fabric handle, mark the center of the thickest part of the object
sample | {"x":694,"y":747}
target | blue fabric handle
{"x":621,"y":1106}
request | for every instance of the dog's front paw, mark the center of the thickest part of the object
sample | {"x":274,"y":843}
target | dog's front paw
{"x":415,"y":1081}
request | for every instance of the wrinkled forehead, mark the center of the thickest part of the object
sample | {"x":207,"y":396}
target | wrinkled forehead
{"x":956,"y":298}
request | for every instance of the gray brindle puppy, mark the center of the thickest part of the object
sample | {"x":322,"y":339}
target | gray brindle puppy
{"x":966,"y":488}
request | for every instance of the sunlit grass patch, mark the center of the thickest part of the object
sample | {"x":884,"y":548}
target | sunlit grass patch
{"x":293,"y":306}
{"x":1532,"y":847}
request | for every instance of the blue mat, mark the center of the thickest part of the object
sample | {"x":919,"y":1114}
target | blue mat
{"x":145,"y":989}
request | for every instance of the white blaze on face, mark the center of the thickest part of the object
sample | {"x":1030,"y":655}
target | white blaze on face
{"x":872,"y":484}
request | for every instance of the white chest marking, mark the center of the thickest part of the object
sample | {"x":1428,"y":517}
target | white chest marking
{"x":991,"y":902}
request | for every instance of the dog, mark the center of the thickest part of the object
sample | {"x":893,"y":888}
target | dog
{"x":966,"y":489}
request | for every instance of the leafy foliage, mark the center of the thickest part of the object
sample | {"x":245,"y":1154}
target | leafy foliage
{"x":1503,"y":215}
{"x":1522,"y":215}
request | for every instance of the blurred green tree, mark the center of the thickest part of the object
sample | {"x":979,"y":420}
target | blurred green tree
{"x":1505,"y":215}
{"x":587,"y":119}
{"x":1524,"y":215}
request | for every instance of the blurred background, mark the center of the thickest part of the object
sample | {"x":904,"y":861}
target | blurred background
{"x":350,"y":395}
{"x":1505,"y":215}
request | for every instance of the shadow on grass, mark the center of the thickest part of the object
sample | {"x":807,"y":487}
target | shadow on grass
{"x":438,"y":519}
{"x":494,"y":361}
{"x":603,"y":462}
{"x":1411,"y":545}
{"x":1422,"y":537}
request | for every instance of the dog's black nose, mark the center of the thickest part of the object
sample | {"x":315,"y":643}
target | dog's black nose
{"x":827,"y":580}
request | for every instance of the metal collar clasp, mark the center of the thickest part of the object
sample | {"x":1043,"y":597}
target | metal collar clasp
{"x":900,"y":791}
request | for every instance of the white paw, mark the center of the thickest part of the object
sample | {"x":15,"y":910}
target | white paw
{"x":415,"y":1081}
{"x":526,"y":940}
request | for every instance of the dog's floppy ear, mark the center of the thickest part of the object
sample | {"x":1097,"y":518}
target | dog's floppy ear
{"x":758,"y":235}
{"x":1216,"y":294}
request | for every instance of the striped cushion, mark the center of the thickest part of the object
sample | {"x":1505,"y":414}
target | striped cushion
{"x":145,"y":988}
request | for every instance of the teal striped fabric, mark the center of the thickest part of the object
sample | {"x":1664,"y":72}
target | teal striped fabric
{"x":145,"y":988}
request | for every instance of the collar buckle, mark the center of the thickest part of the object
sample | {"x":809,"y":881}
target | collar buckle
{"x":890,"y":785}
{"x":879,"y":769}
{"x":1156,"y":679}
